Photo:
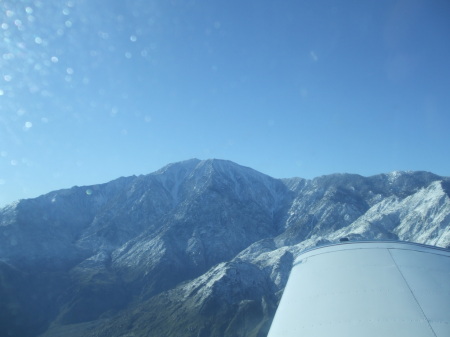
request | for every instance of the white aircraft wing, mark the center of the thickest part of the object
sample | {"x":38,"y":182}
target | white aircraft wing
{"x":369,"y":289}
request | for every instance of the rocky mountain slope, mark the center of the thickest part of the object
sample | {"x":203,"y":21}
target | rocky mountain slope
{"x":198,"y":248}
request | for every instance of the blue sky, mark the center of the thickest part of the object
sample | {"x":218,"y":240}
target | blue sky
{"x":94,"y":90}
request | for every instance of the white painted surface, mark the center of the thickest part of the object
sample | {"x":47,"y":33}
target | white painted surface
{"x":367,"y":289}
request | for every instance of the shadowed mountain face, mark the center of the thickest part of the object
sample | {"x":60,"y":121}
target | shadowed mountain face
{"x":198,"y":248}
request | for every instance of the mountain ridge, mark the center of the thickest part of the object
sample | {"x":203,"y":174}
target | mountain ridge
{"x":206,"y":246}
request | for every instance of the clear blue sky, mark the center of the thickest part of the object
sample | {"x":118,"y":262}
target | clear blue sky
{"x":91,"y":90}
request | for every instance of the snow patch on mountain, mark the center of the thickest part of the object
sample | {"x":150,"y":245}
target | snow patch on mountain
{"x":422,"y":217}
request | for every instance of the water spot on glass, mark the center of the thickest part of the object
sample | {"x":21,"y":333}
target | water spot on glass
{"x":7,"y":78}
{"x":1,"y":92}
{"x":304,"y":93}
{"x":69,"y":71}
{"x":13,"y":241}
{"x":46,"y":93}
{"x":29,"y":10}
{"x":133,"y":38}
{"x":37,"y":40}
{"x":128,"y":55}
{"x":4,"y":26}
{"x":70,"y":4}
{"x":18,"y":23}
{"x":60,"y":32}
{"x":66,"y":11}
{"x":54,"y":59}
{"x":33,"y":88}
{"x":89,"y":191}
{"x":28,"y":125}
{"x":68,"y":23}
{"x":147,"y":119}
{"x":14,"y":162}
{"x":8,"y":56}
{"x":9,"y":13}
{"x":103,"y":35}
{"x":30,"y":18}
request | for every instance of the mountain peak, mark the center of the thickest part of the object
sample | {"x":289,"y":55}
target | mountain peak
{"x":205,"y":238}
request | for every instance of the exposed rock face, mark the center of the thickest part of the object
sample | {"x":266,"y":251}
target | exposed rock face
{"x":198,"y":248}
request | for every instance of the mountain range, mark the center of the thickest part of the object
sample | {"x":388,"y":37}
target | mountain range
{"x":198,"y":248}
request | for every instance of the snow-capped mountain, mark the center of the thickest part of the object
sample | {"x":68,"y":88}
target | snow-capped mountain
{"x":198,"y":248}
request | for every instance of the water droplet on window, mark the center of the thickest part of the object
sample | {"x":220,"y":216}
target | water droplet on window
{"x":128,"y":55}
{"x":29,"y":10}
{"x":54,"y":59}
{"x":7,"y":78}
{"x":68,"y":23}
{"x":88,"y":191}
{"x":38,"y":40}
{"x":103,"y":35}
{"x":133,"y":38}
{"x":8,"y":56}
{"x":28,"y":125}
